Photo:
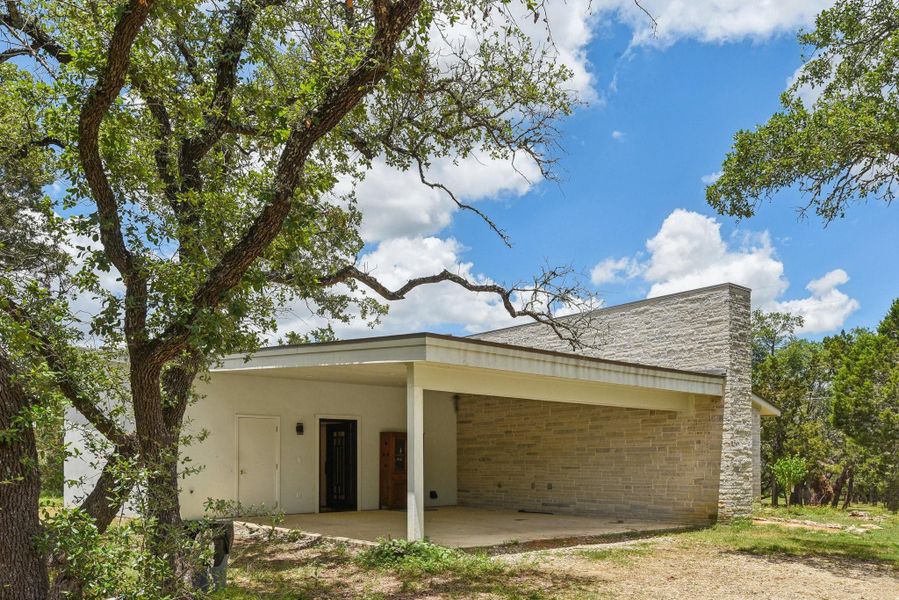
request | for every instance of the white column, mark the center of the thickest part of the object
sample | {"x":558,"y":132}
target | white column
{"x":415,"y":465}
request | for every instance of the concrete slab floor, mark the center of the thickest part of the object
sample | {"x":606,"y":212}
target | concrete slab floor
{"x":466,"y":527}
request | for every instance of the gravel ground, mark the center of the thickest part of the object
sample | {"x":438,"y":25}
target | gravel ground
{"x":665,"y":569}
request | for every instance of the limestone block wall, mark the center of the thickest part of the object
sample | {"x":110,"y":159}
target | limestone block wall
{"x":700,"y":330}
{"x":582,"y":459}
{"x":756,"y":455}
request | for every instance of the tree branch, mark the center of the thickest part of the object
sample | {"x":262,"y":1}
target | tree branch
{"x":540,"y":297}
{"x":67,"y":385}
{"x":462,"y":205}
{"x":40,"y":39}
{"x":107,"y":87}
{"x":14,"y":52}
{"x":217,"y":116}
{"x":267,"y":225}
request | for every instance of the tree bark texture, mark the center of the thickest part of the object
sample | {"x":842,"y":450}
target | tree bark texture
{"x":838,"y":486}
{"x":23,"y":568}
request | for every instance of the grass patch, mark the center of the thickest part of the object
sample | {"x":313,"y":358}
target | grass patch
{"x":423,"y":567}
{"x":284,"y":570}
{"x":421,"y":557}
{"x":617,"y":554}
{"x":876,"y":545}
{"x":826,"y":514}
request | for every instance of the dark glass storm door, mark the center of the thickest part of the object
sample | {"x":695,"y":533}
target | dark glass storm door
{"x":339,"y":464}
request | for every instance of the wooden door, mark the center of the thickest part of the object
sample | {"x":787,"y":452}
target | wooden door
{"x":393,"y":470}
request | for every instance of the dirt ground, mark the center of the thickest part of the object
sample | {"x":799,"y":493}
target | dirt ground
{"x":654,"y":568}
{"x":669,"y":570}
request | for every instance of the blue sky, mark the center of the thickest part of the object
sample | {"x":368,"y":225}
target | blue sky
{"x":628,"y":211}
{"x":675,"y":103}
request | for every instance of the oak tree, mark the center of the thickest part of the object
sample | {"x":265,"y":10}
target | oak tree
{"x":835,"y":137}
{"x":200,"y":146}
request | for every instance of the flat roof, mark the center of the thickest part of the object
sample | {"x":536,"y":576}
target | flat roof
{"x":424,"y":335}
{"x":626,"y":305}
{"x":383,"y":354}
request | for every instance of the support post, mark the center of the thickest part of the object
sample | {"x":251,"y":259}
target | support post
{"x":415,"y":466}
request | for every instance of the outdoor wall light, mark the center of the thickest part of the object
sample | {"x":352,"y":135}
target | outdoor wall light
{"x":299,"y":429}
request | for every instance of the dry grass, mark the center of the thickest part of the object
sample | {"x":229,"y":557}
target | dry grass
{"x":745,"y":561}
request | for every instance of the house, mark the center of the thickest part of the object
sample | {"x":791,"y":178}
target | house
{"x":655,"y":422}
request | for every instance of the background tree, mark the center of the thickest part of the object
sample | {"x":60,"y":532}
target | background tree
{"x":43,"y":368}
{"x":200,"y":145}
{"x":836,"y":136}
{"x":795,"y":378}
{"x":866,"y":395}
{"x":837,"y":409}
{"x":789,"y":471}
{"x":770,"y":331}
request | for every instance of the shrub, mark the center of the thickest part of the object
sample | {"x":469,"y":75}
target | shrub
{"x":419,"y":557}
{"x":789,"y":471}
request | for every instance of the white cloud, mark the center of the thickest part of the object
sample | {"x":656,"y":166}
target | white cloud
{"x":85,"y":305}
{"x":572,"y":25}
{"x":611,"y":269}
{"x":688,"y":252}
{"x":395,"y":203}
{"x":827,"y":308}
{"x":808,"y":94}
{"x":711,"y":177}
{"x":712,"y":20}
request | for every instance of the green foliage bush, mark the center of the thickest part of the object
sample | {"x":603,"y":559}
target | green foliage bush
{"x":423,"y":557}
{"x":789,"y":471}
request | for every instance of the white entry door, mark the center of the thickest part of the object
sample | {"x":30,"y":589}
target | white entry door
{"x":258,"y":455}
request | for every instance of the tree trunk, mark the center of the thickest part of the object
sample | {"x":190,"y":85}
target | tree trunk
{"x":775,"y":501}
{"x":849,"y":485}
{"x":156,"y":449}
{"x":23,"y":568}
{"x":822,"y":491}
{"x":838,"y":487}
{"x":158,"y":422}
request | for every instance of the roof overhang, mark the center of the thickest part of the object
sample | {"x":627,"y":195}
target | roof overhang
{"x":464,"y":365}
{"x":765,"y":408}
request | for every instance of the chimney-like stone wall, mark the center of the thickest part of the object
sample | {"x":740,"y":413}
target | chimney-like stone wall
{"x":705,"y":330}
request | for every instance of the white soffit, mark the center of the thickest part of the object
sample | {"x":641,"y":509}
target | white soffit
{"x":501,"y":360}
{"x":765,"y":408}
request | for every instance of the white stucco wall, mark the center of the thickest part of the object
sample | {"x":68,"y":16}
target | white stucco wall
{"x":83,"y":465}
{"x":226,"y":395}
{"x":377,"y":408}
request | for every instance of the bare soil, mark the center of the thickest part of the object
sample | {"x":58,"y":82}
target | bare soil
{"x":668,"y":569}
{"x":655,"y":568}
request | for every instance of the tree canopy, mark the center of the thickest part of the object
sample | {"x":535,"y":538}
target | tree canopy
{"x":204,"y":156}
{"x":836,"y":136}
{"x":866,"y":392}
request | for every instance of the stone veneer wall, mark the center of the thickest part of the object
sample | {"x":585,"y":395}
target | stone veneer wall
{"x":756,"y":455}
{"x":699,"y":330}
{"x":583,"y":459}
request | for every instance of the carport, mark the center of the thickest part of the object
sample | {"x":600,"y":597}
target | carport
{"x":583,"y":446}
